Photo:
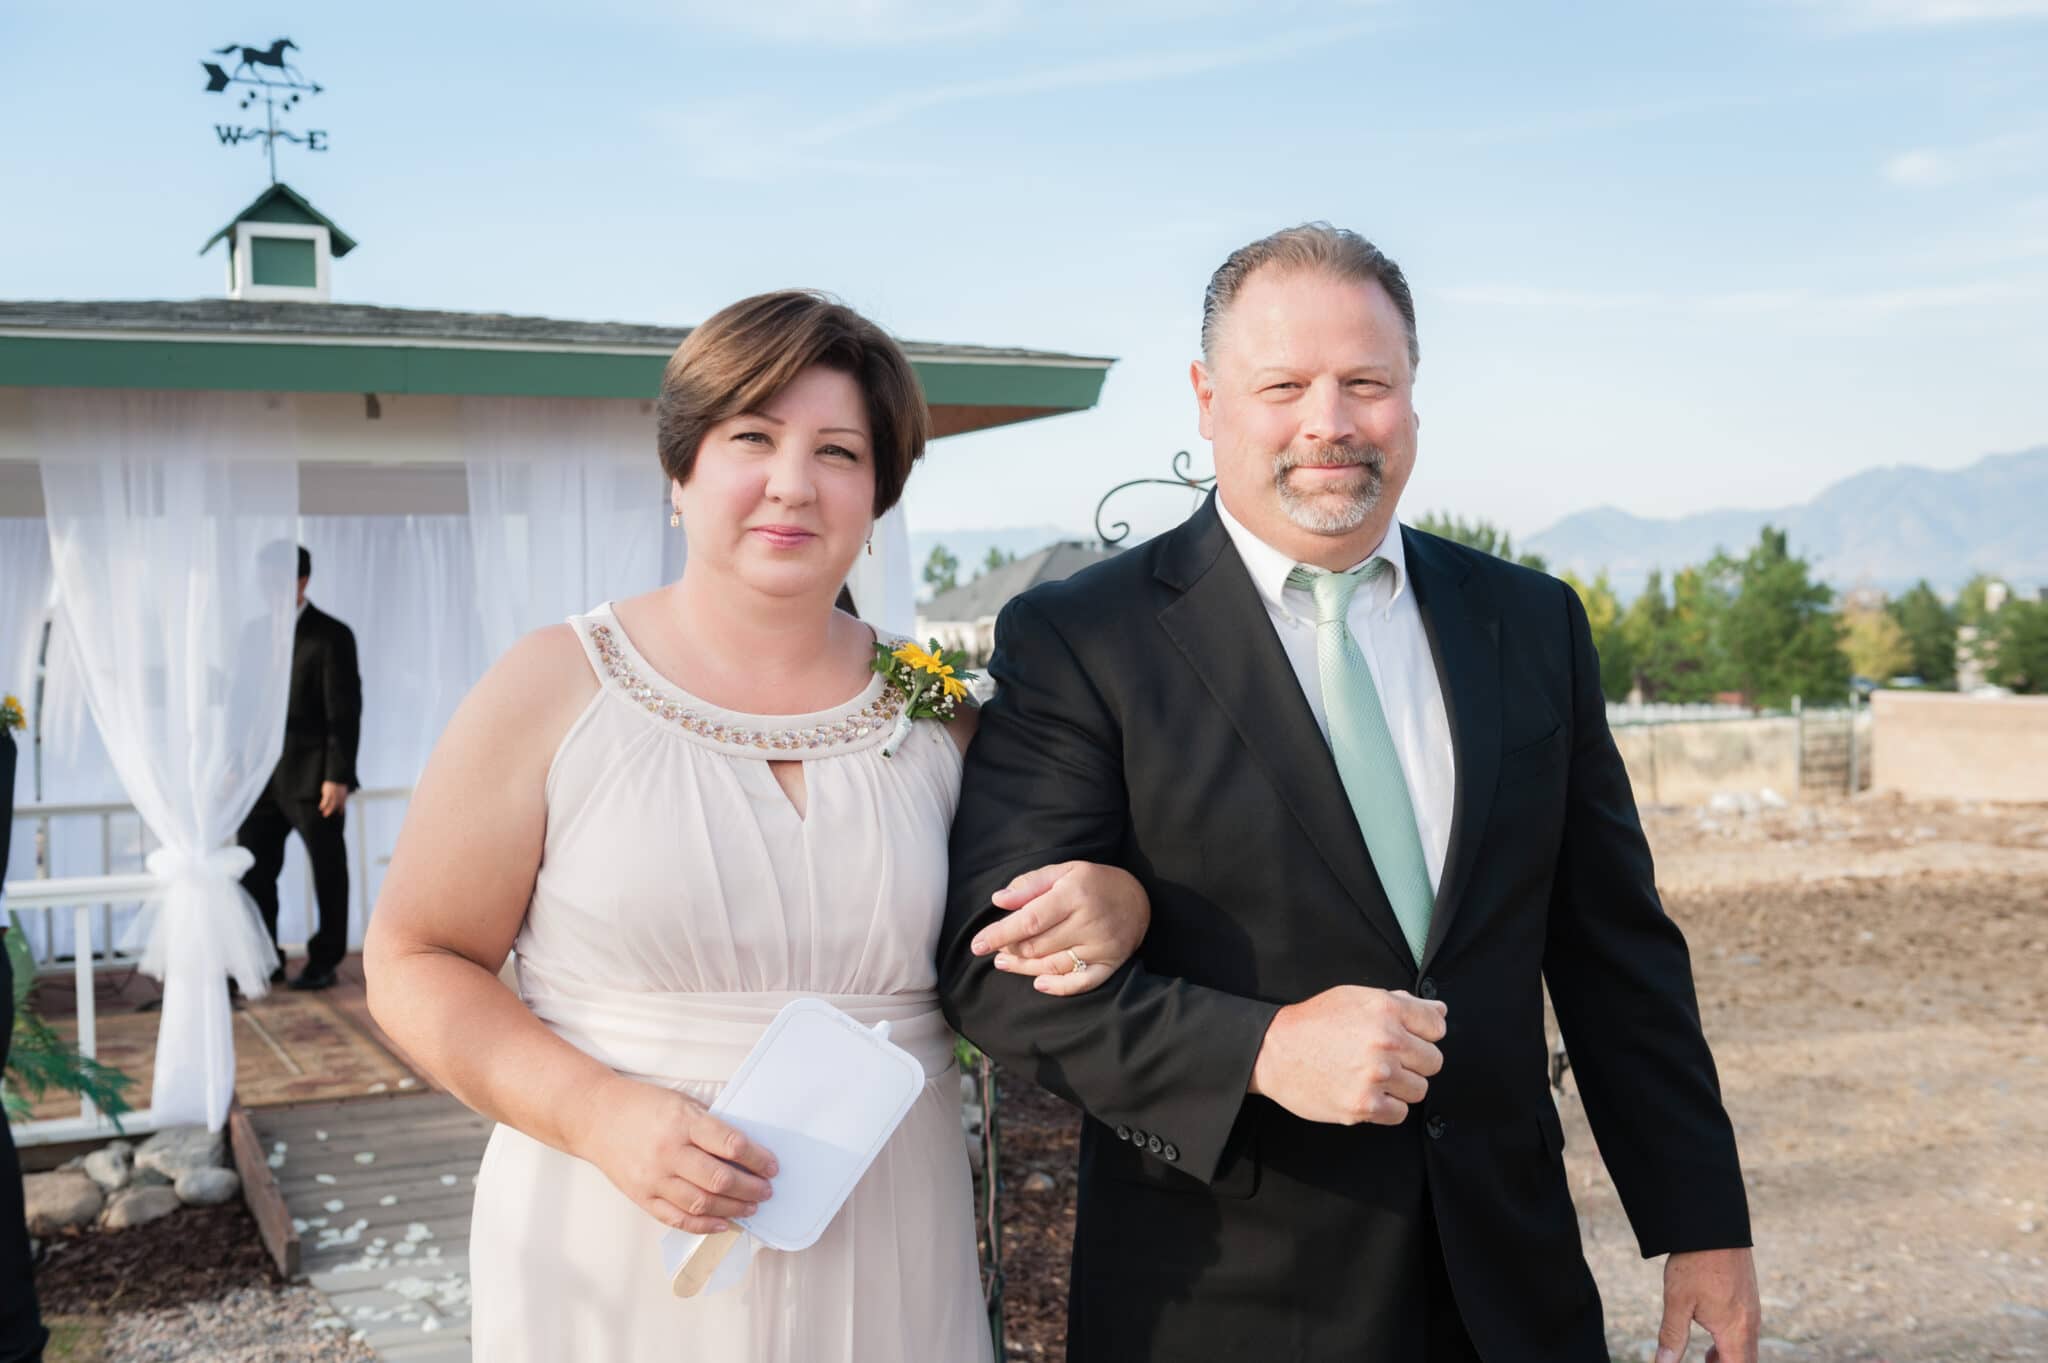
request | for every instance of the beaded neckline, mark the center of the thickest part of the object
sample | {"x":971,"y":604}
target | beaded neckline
{"x":864,"y":721}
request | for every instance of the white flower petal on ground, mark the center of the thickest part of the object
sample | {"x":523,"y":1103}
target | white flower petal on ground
{"x":334,"y":1205}
{"x":367,"y":1157}
{"x":328,"y":1180}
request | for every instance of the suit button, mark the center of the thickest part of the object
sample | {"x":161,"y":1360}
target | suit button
{"x":1137,"y":1136}
{"x":1172,"y":1152}
{"x":1154,"y":1144}
{"x":1435,"y":1127}
{"x":1123,"y":1133}
{"x":1427,"y":988}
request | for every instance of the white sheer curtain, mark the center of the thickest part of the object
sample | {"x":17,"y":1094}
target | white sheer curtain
{"x":171,"y":520}
{"x":567,"y":508}
{"x":24,"y":597}
{"x":884,"y":583}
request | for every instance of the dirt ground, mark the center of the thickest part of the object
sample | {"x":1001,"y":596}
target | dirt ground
{"x":1873,"y":976}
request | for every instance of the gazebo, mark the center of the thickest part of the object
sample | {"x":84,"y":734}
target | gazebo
{"x":460,"y":478}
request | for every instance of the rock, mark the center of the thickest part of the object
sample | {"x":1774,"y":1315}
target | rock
{"x":1770,"y":799}
{"x":207,"y":1187}
{"x":149,"y":1178}
{"x":139,"y":1206}
{"x":112,"y":1167}
{"x":1039,"y":1182}
{"x":60,"y":1200}
{"x":180,"y":1148}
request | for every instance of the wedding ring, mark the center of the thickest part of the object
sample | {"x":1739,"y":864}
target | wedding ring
{"x":1079,"y":964}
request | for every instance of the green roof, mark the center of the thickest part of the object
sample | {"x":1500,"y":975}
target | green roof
{"x":305,"y":347}
{"x":282,"y":203}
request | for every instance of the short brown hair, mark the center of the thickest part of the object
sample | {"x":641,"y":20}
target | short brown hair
{"x":743,"y":355}
{"x":1311,"y":246}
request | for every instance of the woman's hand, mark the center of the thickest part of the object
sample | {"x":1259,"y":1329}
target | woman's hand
{"x":1070,"y":925}
{"x":678,"y":1163}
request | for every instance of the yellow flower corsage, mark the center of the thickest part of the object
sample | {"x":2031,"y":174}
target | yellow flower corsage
{"x":933,"y":680}
{"x":11,"y":715}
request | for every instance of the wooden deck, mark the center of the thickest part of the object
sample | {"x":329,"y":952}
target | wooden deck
{"x":380,"y":1189}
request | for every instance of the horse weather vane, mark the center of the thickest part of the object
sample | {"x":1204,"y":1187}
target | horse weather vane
{"x":280,"y":95}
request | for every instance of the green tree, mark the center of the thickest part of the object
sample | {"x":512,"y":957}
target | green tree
{"x":1646,"y":630}
{"x":1876,"y":644}
{"x":1603,"y":614}
{"x":1929,"y":625}
{"x":2021,"y":630}
{"x":1481,"y":535}
{"x":996,"y":559}
{"x":1695,"y":666}
{"x":941,"y":570}
{"x":1780,"y":638}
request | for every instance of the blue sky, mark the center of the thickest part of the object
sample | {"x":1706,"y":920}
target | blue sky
{"x":1668,"y":256}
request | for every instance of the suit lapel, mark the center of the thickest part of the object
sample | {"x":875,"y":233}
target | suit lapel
{"x":1220,"y":625}
{"x":1464,"y":638}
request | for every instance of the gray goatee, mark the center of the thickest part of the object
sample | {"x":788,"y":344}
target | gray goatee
{"x":1335,"y":511}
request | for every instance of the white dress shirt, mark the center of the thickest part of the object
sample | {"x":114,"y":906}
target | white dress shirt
{"x":1383,"y":618}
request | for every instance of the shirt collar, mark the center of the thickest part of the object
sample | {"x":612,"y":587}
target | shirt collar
{"x":1269,"y":567}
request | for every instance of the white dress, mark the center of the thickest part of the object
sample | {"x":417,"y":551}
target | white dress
{"x":681,"y":901}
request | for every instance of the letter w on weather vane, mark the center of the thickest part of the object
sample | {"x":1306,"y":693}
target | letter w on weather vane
{"x":251,"y":79}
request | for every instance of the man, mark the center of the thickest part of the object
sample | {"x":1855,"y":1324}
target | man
{"x":310,"y":788}
{"x":21,"y":1327}
{"x":1366,"y":776}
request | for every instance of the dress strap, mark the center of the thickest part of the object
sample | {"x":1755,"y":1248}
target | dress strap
{"x":586,"y":626}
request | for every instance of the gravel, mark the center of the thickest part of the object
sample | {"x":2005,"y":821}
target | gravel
{"x":249,"y":1325}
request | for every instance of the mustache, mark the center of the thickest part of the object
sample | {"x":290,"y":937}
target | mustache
{"x":1370,"y":457}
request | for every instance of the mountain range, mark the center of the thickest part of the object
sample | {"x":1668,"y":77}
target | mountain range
{"x":1885,"y":527}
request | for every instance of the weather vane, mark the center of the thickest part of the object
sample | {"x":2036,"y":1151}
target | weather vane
{"x":279,"y":95}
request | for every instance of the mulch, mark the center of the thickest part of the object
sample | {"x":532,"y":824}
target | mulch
{"x":1039,"y":1135}
{"x":197,"y":1254}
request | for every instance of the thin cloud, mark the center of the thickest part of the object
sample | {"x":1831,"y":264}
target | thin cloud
{"x":720,"y":145}
{"x":1867,"y":14}
{"x":2007,"y":154}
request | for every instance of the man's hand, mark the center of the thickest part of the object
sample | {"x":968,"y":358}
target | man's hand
{"x":1074,"y":911}
{"x":1717,"y":1288}
{"x":333,"y":796}
{"x":1351,"y":1054}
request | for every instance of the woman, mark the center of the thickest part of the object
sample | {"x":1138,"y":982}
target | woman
{"x":677,"y":808}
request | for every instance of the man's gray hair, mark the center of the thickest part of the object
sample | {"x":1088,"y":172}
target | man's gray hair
{"x":1311,"y":246}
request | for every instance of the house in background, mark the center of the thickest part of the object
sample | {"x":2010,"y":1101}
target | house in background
{"x":965,"y":618}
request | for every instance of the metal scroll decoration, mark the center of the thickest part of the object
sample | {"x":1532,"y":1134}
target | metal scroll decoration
{"x":1183,"y":477}
{"x":266,"y":74}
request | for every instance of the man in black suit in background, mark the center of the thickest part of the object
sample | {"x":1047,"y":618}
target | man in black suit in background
{"x":310,"y":788}
{"x":1366,"y":777}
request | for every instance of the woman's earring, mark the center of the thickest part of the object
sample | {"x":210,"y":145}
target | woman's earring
{"x":675,"y":520}
{"x":871,"y":546}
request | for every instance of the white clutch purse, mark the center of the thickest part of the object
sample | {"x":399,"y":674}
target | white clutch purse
{"x":823,"y":1094}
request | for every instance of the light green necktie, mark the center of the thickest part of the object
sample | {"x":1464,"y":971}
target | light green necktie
{"x":1364,"y":748}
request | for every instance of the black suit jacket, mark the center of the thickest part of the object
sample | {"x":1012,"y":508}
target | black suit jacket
{"x":324,"y":718}
{"x":1146,"y":716}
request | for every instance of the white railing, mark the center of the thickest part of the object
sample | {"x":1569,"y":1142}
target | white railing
{"x":80,"y":894}
{"x":90,"y":896}
{"x":107,"y":954}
